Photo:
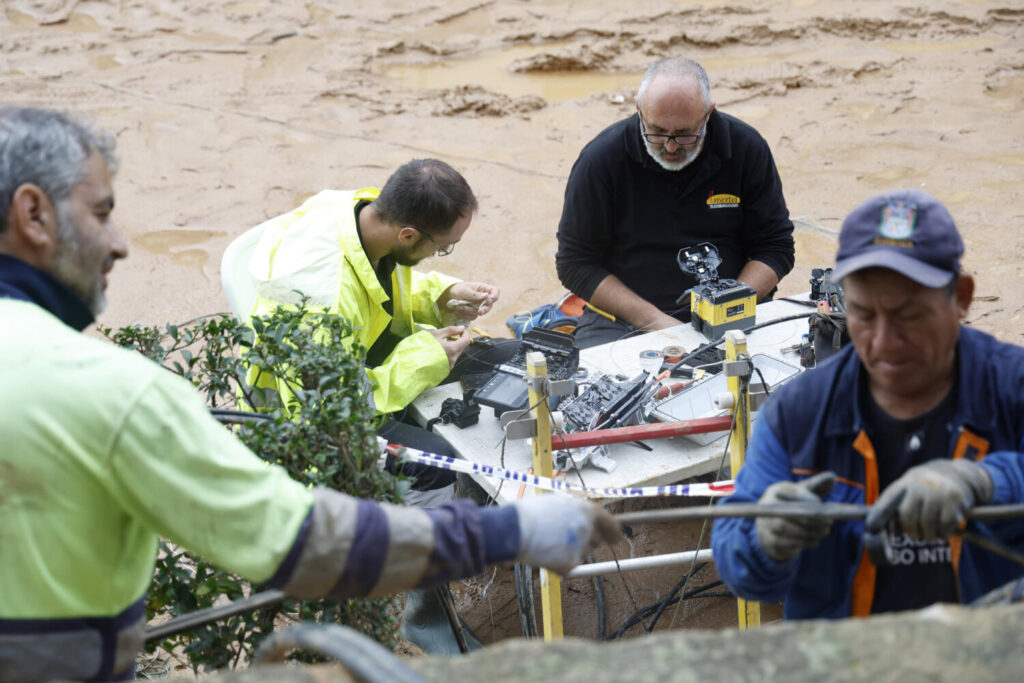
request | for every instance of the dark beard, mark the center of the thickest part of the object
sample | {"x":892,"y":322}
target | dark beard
{"x":403,"y":255}
{"x":403,"y":259}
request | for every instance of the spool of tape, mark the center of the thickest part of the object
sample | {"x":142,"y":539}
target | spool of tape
{"x":673,"y":354}
{"x":651,"y":360}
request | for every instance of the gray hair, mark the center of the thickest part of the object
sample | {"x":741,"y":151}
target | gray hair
{"x":680,"y":67}
{"x":48,"y":149}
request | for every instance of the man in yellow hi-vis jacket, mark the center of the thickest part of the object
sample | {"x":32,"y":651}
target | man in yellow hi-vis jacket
{"x":103,"y":451}
{"x":351,"y":253}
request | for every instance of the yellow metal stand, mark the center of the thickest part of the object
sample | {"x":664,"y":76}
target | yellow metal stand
{"x":550,"y":583}
{"x":735,"y":347}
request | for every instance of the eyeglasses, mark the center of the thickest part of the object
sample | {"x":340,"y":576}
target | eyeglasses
{"x":438,"y":249}
{"x":681,"y":140}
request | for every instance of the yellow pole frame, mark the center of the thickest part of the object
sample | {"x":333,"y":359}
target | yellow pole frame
{"x":550,"y":583}
{"x":735,"y":346}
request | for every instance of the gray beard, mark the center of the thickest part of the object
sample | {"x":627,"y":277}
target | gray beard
{"x":673,"y":165}
{"x":68,"y":269}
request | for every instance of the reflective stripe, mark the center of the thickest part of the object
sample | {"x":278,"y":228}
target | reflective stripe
{"x":862,"y":595}
{"x":86,"y":648}
{"x":45,"y":656}
{"x":326,"y":548}
{"x":129,"y":644}
{"x":412,"y":540}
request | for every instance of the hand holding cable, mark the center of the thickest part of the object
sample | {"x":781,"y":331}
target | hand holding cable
{"x":782,"y":538}
{"x":935,"y":498}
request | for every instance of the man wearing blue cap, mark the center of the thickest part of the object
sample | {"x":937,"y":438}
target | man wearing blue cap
{"x":919,"y":408}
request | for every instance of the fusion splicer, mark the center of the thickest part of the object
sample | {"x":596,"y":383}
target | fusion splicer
{"x":715,"y":305}
{"x":506,"y":389}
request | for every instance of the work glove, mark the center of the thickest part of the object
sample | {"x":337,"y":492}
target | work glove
{"x":782,"y":538}
{"x":557,"y":531}
{"x":935,"y":497}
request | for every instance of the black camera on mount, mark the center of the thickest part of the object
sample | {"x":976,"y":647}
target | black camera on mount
{"x":460,"y":412}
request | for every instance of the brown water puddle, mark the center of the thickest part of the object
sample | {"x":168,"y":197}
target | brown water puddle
{"x":104,"y":62}
{"x":185,"y":247}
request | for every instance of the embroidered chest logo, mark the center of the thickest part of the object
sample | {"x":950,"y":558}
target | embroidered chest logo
{"x":722,"y":201}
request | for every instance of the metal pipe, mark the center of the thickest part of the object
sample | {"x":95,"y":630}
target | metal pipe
{"x":656,"y":430}
{"x":190,"y":622}
{"x":635,"y":563}
{"x":834,"y":511}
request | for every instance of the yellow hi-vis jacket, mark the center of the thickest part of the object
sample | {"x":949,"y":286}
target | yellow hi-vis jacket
{"x":316,"y":250}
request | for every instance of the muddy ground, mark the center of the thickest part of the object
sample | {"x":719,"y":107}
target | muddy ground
{"x":228,"y":113}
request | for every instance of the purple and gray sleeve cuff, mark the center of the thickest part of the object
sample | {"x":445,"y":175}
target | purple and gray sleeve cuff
{"x":349,"y":547}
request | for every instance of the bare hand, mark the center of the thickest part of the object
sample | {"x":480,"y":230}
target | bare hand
{"x":453,"y":340}
{"x":468,"y":300}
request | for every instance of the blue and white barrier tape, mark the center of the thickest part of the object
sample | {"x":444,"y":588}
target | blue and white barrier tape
{"x":721,"y":488}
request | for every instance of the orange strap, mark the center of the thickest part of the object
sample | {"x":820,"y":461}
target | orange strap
{"x":968,"y":445}
{"x":863,"y":593}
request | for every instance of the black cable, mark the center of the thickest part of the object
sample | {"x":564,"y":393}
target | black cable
{"x":602,"y":616}
{"x":638,"y":616}
{"x":444,"y":595}
{"x":764,"y":382}
{"x":524,"y":592}
{"x":678,"y":587}
{"x":712,"y":344}
{"x":466,"y":629}
{"x":192,"y":621}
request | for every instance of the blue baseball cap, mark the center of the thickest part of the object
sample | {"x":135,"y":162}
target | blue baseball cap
{"x":907,"y":231}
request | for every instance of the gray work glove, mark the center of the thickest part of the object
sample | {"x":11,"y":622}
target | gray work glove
{"x":936,"y":495}
{"x":782,"y":538}
{"x":556,"y":531}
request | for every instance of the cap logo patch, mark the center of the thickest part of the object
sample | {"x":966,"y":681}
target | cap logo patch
{"x":898,"y":221}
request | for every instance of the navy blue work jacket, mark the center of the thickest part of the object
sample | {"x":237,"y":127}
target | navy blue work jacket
{"x":814,"y":423}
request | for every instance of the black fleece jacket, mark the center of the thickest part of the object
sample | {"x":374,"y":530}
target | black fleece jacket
{"x":626,"y":216}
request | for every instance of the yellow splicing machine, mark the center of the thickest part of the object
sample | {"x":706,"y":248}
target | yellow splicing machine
{"x":715,"y":305}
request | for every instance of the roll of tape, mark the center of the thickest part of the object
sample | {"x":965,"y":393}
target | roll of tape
{"x":673,"y":354}
{"x":650,"y":360}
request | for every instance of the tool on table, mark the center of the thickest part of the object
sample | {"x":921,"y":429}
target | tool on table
{"x":608,"y":401}
{"x":651,"y":361}
{"x":716,"y":305}
{"x":507,"y":389}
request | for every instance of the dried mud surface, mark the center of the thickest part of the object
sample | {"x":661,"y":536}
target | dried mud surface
{"x":229,"y":113}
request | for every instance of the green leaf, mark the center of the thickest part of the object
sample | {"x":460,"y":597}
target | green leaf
{"x":325,"y":437}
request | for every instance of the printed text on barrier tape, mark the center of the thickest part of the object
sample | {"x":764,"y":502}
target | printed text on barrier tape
{"x":721,"y":488}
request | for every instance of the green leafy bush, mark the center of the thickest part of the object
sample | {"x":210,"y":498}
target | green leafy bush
{"x":326,"y":437}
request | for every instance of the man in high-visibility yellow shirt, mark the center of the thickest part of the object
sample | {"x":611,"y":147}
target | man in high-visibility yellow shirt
{"x":351,"y":253}
{"x":102,"y":451}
